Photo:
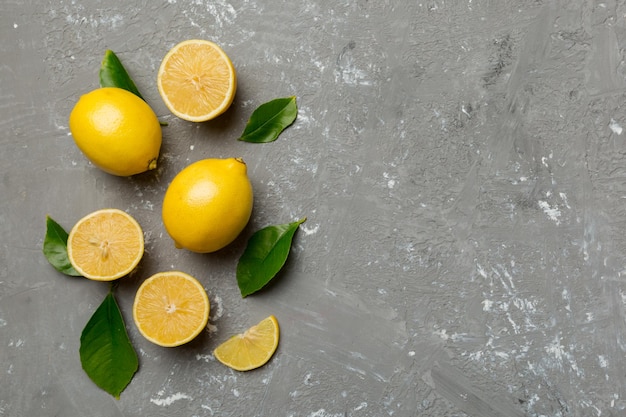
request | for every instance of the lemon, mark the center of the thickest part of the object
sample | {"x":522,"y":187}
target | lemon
{"x":252,"y":348}
{"x":117,"y":131}
{"x":207,"y":204}
{"x":197,"y":80}
{"x":105,"y":245}
{"x":171,"y":308}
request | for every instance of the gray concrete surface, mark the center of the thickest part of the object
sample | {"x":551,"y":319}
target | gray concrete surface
{"x":462,"y":165}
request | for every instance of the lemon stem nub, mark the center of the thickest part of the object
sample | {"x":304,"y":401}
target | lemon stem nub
{"x":152,"y":164}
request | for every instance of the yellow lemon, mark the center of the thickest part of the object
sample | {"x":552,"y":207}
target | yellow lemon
{"x":105,"y":245}
{"x":197,"y":80}
{"x":117,"y":131}
{"x":252,"y":348}
{"x":171,"y":308}
{"x":207,"y":204}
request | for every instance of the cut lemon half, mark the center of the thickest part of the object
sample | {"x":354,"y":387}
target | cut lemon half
{"x":171,"y":308}
{"x":105,"y":245}
{"x":197,"y":80}
{"x":251,"y":349}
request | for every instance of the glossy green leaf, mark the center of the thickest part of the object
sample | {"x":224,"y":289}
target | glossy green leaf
{"x":265,"y":254}
{"x":270,"y":119}
{"x":113,"y":74}
{"x":55,"y":248}
{"x":106,"y":353}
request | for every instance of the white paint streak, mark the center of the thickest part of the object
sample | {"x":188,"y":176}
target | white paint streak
{"x":442,"y":333}
{"x":604,"y":363}
{"x":361,"y":406}
{"x":564,"y":198}
{"x":391,"y":182}
{"x":310,"y":230}
{"x":322,"y":413}
{"x":552,"y":212}
{"x":615,"y":127}
{"x":218,"y":305}
{"x":16,"y":343}
{"x":205,"y":358}
{"x":112,"y":22}
{"x":164,"y":402}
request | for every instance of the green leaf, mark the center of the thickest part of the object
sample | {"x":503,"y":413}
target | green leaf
{"x":269,"y":120}
{"x":113,"y":74}
{"x":265,"y":254}
{"x":106,"y":354}
{"x":55,"y":248}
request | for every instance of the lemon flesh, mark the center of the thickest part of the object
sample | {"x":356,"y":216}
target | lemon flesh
{"x":105,"y":245}
{"x":171,"y":308}
{"x":251,"y":349}
{"x":197,"y":80}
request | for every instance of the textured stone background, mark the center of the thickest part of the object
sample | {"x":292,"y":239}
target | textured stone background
{"x":462,"y":165}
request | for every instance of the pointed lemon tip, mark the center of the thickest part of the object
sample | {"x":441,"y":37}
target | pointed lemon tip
{"x":152,"y":165}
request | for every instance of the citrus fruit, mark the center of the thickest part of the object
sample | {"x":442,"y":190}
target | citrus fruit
{"x":207,"y":204}
{"x":171,"y":308}
{"x":117,"y":131}
{"x":251,"y":349}
{"x":105,"y":245}
{"x":197,"y":80}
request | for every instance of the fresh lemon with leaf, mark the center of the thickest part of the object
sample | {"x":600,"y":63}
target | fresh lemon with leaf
{"x":197,"y":80}
{"x":117,"y":131}
{"x":208,"y":204}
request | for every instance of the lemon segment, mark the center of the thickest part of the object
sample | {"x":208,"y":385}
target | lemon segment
{"x":105,"y":245}
{"x":197,"y":80}
{"x":171,"y":308}
{"x":117,"y":131}
{"x":208,"y":204}
{"x":251,"y":349}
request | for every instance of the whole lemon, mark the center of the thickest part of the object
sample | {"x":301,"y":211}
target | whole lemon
{"x":117,"y":131}
{"x":207,"y":204}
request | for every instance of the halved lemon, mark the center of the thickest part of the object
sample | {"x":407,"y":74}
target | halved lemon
{"x":105,"y":245}
{"x":197,"y":80}
{"x":251,"y":349}
{"x":171,"y":308}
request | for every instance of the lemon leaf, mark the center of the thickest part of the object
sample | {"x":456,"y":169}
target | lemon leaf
{"x":113,"y":74}
{"x":106,"y":354}
{"x":269,"y":120}
{"x":55,"y":248}
{"x":265,"y":255}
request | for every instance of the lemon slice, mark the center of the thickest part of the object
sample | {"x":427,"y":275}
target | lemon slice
{"x":171,"y":308}
{"x":105,"y":245}
{"x":251,"y":349}
{"x":197,"y":80}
